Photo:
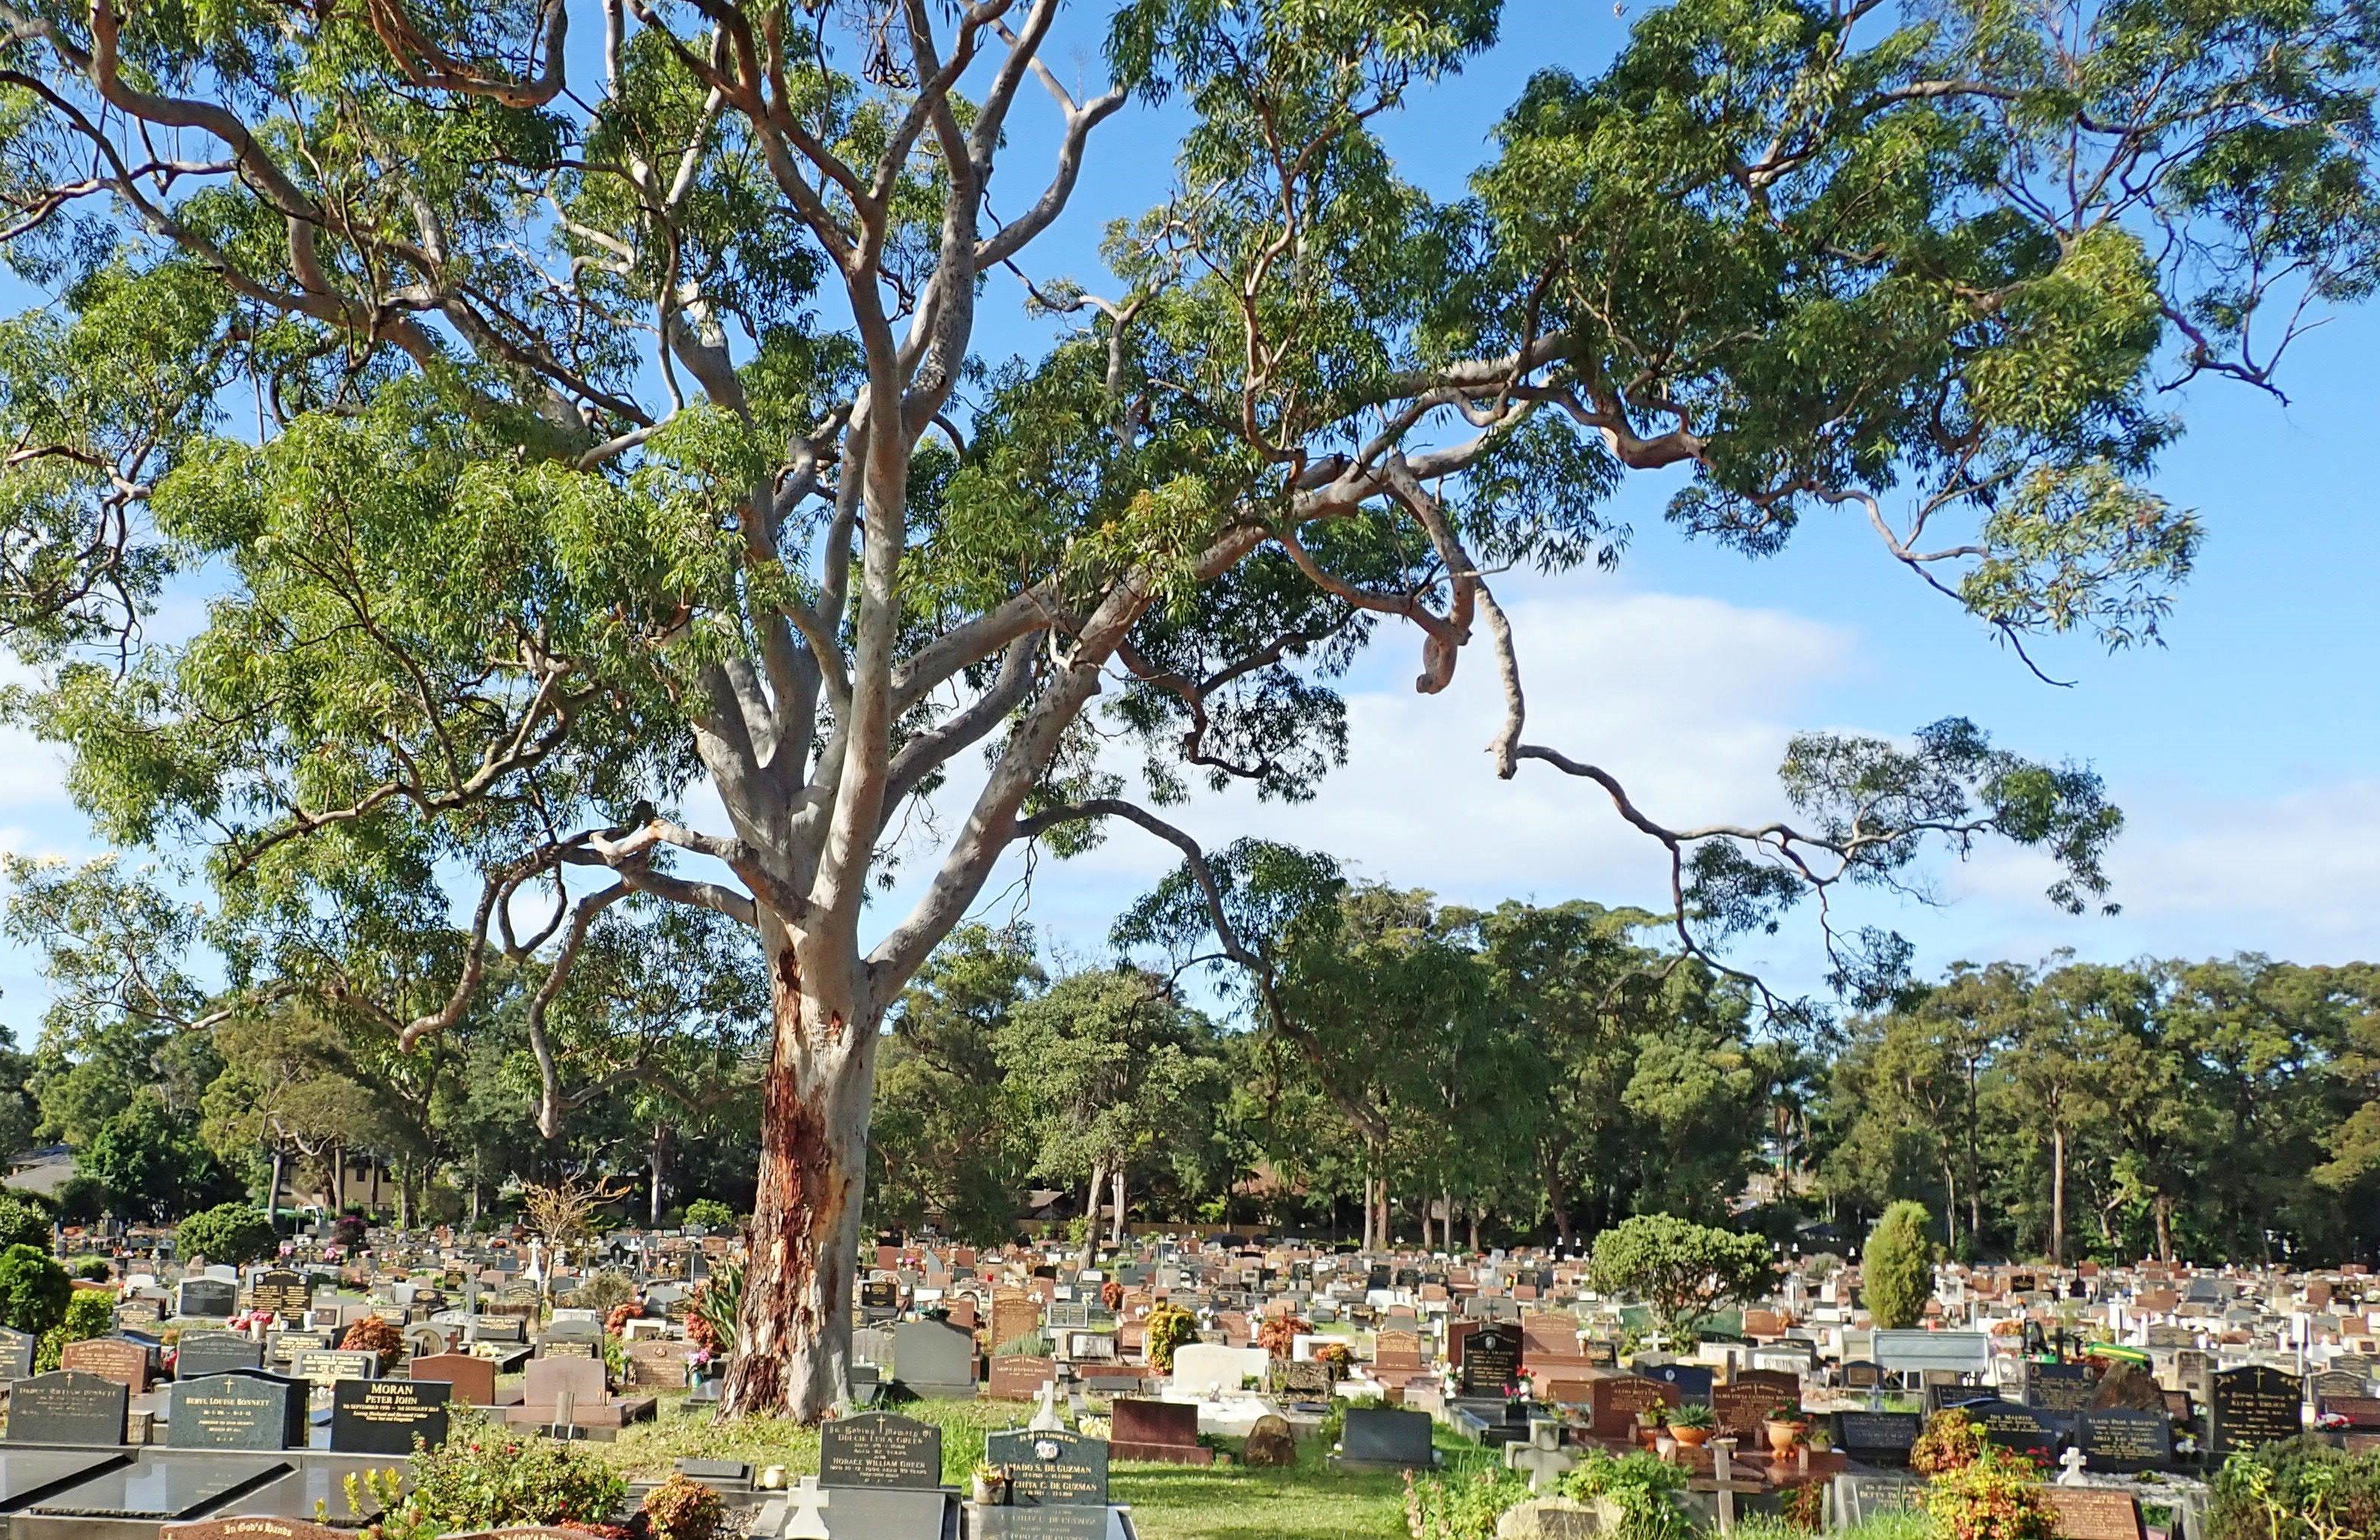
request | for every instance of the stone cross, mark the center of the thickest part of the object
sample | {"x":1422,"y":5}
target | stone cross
{"x":805,"y":1521}
{"x":1542,"y":1464}
{"x":1723,"y":1476}
{"x":2072,"y":1460}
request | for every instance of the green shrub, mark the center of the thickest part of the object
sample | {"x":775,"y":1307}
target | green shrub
{"x":602,"y":1290}
{"x":33,"y":1289}
{"x":1168,"y":1326}
{"x":710,"y":1214}
{"x":90,"y":1312}
{"x":1464,"y":1507}
{"x":231,"y":1233}
{"x":90,"y":1269}
{"x":23,"y":1223}
{"x":2302,"y":1489}
{"x":1640,"y":1485}
{"x":1896,"y":1273}
{"x":1681,"y":1269}
{"x":486,"y":1476}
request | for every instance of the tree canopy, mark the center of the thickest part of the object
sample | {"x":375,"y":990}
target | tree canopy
{"x":573,"y":434}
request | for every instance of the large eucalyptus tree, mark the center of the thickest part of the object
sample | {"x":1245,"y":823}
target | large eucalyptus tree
{"x":565,"y":402}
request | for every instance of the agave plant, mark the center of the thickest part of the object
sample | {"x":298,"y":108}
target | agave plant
{"x":713,"y":1308}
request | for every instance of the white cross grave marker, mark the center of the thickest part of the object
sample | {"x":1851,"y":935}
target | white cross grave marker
{"x":806,"y":1523}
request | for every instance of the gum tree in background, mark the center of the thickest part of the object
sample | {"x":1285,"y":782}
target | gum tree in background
{"x":472,"y":353}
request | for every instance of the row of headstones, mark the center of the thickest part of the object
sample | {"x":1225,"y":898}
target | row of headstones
{"x":238,"y":1409}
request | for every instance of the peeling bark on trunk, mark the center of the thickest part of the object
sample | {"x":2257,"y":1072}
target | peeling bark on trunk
{"x":793,"y":1333}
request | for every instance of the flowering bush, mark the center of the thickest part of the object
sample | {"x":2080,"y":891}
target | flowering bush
{"x":1279,"y":1333}
{"x":1335,"y":1357}
{"x":1951,"y":1441}
{"x":373,"y":1335}
{"x":616,"y":1323}
{"x":680,"y":1508}
{"x":1112,"y":1294}
{"x":485,"y":1477}
{"x":1997,"y":1496}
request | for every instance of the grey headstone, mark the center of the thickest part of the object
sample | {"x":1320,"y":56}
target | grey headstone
{"x":934,"y":1357}
{"x":212,"y":1352}
{"x":236,"y":1409}
{"x":67,"y":1407}
{"x":1055,"y":1469}
{"x":1378,"y":1436}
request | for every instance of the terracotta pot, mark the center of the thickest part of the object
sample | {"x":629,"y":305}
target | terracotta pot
{"x":1690,"y":1436}
{"x":1782,"y":1437}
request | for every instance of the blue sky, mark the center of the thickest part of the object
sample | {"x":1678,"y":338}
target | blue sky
{"x":2242,"y":751}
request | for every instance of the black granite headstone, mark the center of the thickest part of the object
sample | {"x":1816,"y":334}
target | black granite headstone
{"x":2120,"y":1442}
{"x":1878,"y":1437}
{"x":382,"y":1416}
{"x":878,"y":1448}
{"x":2014,"y":1427}
{"x":2248,"y":1408}
{"x":1491,"y":1361}
{"x":1057,"y":1469}
{"x":16,"y":1355}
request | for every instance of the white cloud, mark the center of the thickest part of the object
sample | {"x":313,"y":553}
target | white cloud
{"x":2295,"y":874}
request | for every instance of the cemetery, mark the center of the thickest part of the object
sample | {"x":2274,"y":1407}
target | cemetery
{"x":1327,"y":1389}
{"x":1189,"y":769}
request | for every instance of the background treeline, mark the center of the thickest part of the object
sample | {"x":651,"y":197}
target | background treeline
{"x":1394,"y":1066}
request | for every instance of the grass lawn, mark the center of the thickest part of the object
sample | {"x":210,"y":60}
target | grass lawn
{"x":1169,"y":1502}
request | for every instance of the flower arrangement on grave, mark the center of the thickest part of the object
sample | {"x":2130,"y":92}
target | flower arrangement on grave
{"x":1337,"y":1357}
{"x":1112,"y":1294}
{"x":990,"y":1484}
{"x":1168,"y":1326}
{"x":1278,"y":1334}
{"x":616,"y":1323}
{"x":373,"y":1335}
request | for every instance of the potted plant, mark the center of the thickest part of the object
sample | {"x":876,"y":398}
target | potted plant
{"x":991,"y":1486}
{"x":1691,"y":1424}
{"x":1786,"y":1426}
